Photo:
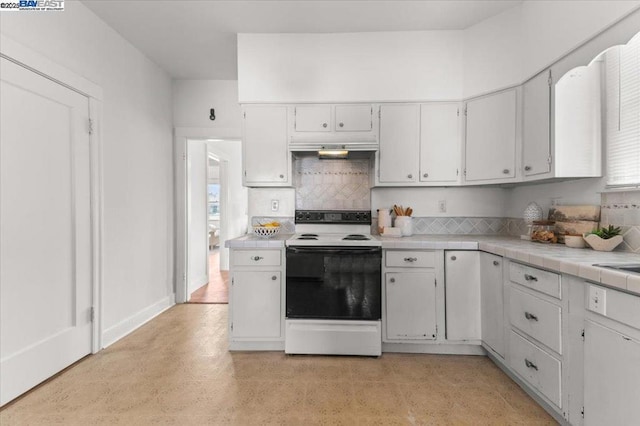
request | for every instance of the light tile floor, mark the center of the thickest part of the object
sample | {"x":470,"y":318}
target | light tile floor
{"x":176,"y":370}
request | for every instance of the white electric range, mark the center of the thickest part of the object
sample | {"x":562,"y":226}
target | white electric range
{"x":333,"y":285}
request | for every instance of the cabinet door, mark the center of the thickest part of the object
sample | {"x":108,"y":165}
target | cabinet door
{"x":313,"y":118}
{"x":266,"y":158}
{"x":611,"y":377}
{"x":491,"y":301}
{"x":462,"y":281}
{"x":491,"y":137}
{"x":439,"y":142}
{"x":399,"y":143}
{"x":354,"y":118}
{"x":256,"y":304}
{"x":410,"y":305}
{"x":536,"y":114}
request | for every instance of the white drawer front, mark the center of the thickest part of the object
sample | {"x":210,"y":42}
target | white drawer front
{"x":411,"y":259}
{"x":537,"y":279}
{"x":536,"y":317}
{"x":539,"y":368}
{"x":256,"y":257}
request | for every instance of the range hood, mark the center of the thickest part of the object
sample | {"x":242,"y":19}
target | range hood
{"x":333,"y":144}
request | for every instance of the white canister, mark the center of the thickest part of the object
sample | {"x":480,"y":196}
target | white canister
{"x":405,"y":223}
{"x":384,"y":219}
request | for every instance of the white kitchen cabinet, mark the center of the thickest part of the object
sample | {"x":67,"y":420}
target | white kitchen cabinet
{"x":353,"y":118}
{"x":256,"y":308}
{"x":492,"y":302}
{"x":440,"y":142}
{"x":536,"y":142}
{"x":410,"y":305}
{"x":462,"y":282}
{"x":266,"y":159}
{"x":611,"y":377}
{"x":312,"y":118}
{"x":491,"y":138}
{"x":398,"y":157}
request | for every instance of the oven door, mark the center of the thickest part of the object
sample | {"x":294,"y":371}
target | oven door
{"x":334,"y":283}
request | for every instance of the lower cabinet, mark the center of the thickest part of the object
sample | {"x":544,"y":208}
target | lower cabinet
{"x":462,"y":282}
{"x":410,"y":305}
{"x":256,"y":299}
{"x":492,"y":302}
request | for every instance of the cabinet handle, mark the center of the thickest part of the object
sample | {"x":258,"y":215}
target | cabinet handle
{"x":274,"y":278}
{"x":425,"y":175}
{"x":530,"y":316}
{"x":527,"y":168}
{"x":506,"y":171}
{"x":410,"y":176}
{"x":453,"y":258}
{"x":529,"y":364}
{"x":281,"y":176}
{"x":410,"y":259}
{"x":392,"y":280}
{"x":341,"y":124}
{"x":530,"y":277}
{"x":496,"y":263}
{"x":256,"y":258}
{"x":324,"y":124}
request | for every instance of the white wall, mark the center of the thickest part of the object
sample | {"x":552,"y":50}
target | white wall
{"x":260,"y":202}
{"x":350,"y":67}
{"x":192,"y":100}
{"x":137,"y":152}
{"x":198,"y":221}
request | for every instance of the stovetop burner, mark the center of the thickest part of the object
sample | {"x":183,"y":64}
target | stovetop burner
{"x":356,"y":237}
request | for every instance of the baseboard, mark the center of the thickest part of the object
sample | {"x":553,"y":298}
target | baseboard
{"x":196,"y":284}
{"x":118,"y":331}
{"x":434,"y":348}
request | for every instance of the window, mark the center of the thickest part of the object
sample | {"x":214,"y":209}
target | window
{"x":623,"y":114}
{"x":213,"y":200}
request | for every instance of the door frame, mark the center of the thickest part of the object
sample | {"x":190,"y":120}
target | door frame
{"x":43,"y":66}
{"x":180,"y":151}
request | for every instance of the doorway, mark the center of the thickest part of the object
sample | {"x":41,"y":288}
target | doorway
{"x":215,"y":205}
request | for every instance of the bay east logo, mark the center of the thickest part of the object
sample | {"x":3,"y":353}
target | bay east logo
{"x":37,"y":5}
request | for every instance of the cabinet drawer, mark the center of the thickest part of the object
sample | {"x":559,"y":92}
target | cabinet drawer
{"x":536,"y":317}
{"x":537,"y":279}
{"x":410,"y":259}
{"x":256,"y":257}
{"x":539,"y":368}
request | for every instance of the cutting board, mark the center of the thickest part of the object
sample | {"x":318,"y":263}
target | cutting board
{"x":574,"y":220}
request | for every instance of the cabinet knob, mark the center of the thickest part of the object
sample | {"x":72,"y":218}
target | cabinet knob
{"x":530,"y":277}
{"x":256,"y":258}
{"x":529,"y":364}
{"x":341,"y":124}
{"x":527,"y":168}
{"x":453,"y":258}
{"x":324,"y":124}
{"x":496,"y":263}
{"x":410,"y":176}
{"x":410,"y":259}
{"x":281,"y":176}
{"x":425,"y":175}
{"x":506,"y":171}
{"x":274,"y":278}
{"x":530,"y":316}
{"x":392,"y":280}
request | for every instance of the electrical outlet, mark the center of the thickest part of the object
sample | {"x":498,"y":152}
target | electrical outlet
{"x":598,"y":300}
{"x":442,"y":206}
{"x":275,"y":205}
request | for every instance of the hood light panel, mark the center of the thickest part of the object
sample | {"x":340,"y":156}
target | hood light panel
{"x":333,"y":154}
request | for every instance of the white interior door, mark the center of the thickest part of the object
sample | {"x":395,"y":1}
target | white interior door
{"x":45,"y":235}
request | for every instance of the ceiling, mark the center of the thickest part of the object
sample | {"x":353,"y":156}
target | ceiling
{"x":197,"y":39}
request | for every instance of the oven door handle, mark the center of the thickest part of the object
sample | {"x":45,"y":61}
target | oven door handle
{"x":333,"y":250}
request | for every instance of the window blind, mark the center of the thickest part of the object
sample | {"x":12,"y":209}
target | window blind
{"x":623,"y":114}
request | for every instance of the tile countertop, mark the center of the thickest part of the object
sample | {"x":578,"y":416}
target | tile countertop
{"x":556,"y":257}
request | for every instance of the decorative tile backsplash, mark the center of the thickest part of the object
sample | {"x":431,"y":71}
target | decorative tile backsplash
{"x":623,"y":209}
{"x":331,"y":184}
{"x":455,"y":225}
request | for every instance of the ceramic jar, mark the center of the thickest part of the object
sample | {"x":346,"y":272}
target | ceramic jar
{"x":405,"y":223}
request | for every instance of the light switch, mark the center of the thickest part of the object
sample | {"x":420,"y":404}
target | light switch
{"x":598,"y":300}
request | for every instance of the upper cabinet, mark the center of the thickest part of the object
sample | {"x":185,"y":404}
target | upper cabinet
{"x":266,"y":160}
{"x":491,"y":138}
{"x":353,"y":118}
{"x":398,"y":158}
{"x":440,"y":143}
{"x":312,"y":118}
{"x":536,"y":140}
